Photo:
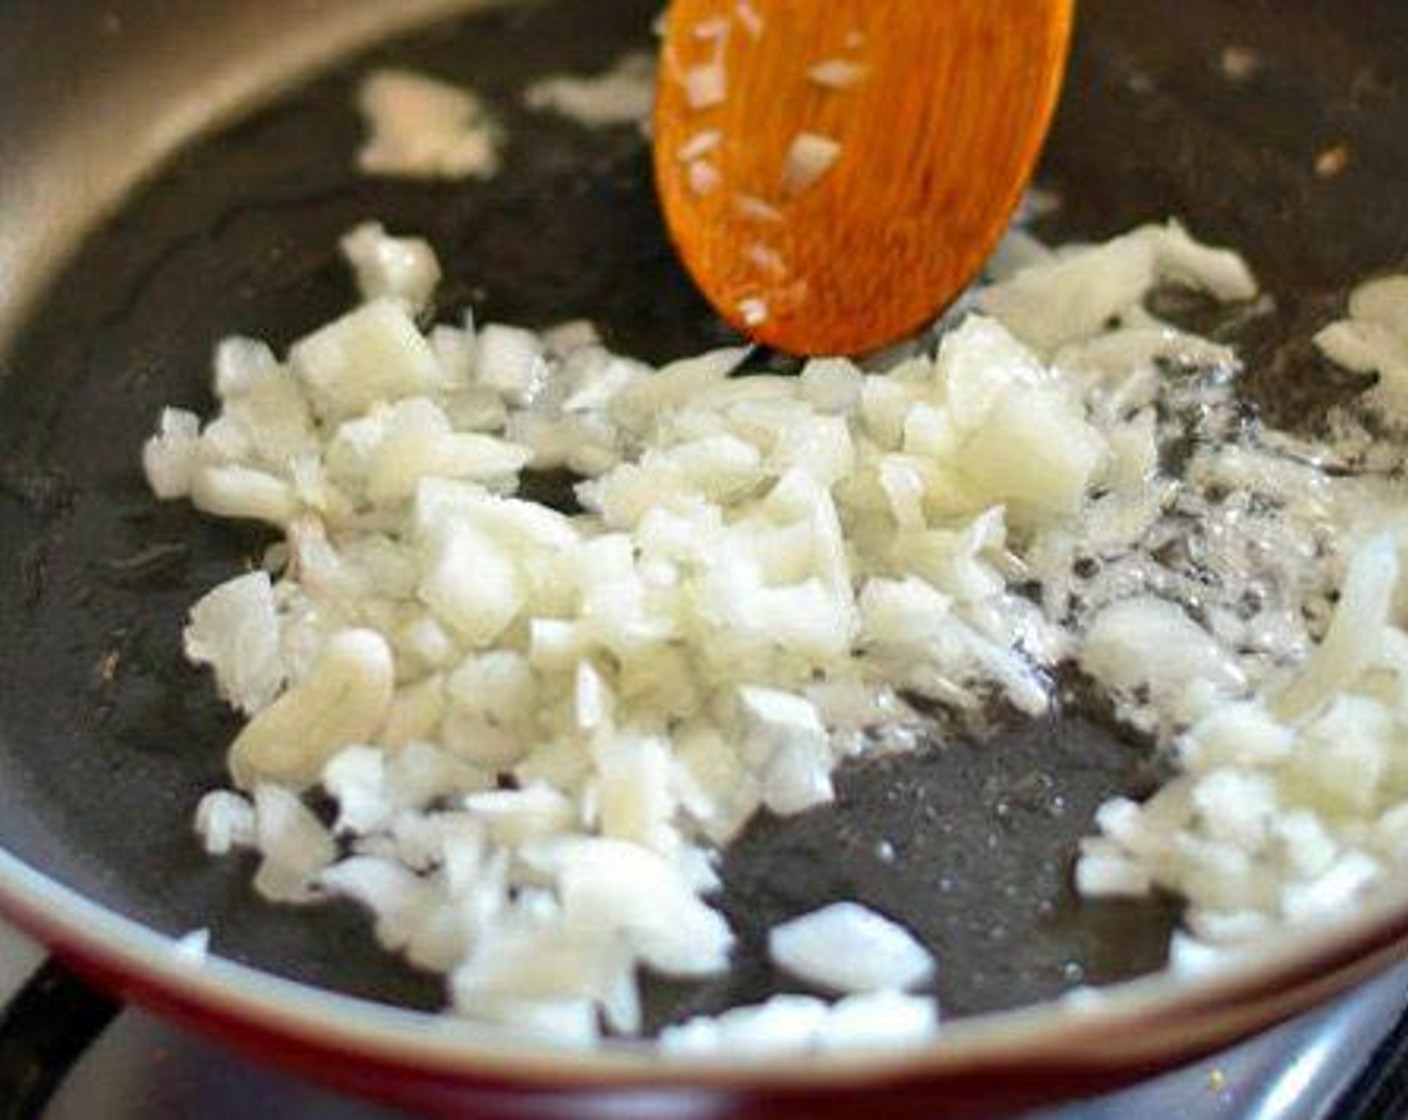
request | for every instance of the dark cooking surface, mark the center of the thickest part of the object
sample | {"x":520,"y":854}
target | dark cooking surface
{"x":109,"y":739}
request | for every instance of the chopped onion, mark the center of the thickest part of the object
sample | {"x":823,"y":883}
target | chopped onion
{"x":836,"y":73}
{"x":710,"y":30}
{"x":847,"y":948}
{"x":766,"y":258}
{"x":225,"y":822}
{"x":623,"y":94}
{"x":1351,"y":643}
{"x":703,"y":177}
{"x":754,"y":311}
{"x":422,"y":128}
{"x":706,"y":86}
{"x":399,"y":268}
{"x":749,"y":18}
{"x":808,"y":159}
{"x":172,"y":456}
{"x":194,"y":946}
{"x":295,"y":847}
{"x":235,"y":630}
{"x":700,"y":144}
{"x":538,"y":728}
{"x":756,"y":209}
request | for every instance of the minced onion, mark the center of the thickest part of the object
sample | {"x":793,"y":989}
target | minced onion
{"x":424,"y":128}
{"x":836,"y":73}
{"x":539,"y":728}
{"x":622,"y":94}
{"x":809,"y":157}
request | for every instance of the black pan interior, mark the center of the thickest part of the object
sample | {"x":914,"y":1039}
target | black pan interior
{"x":107,"y":738}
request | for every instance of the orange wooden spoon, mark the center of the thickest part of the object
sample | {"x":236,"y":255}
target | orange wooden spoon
{"x":833,"y":172}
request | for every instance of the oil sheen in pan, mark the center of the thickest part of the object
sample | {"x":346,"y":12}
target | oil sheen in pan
{"x":109,"y":738}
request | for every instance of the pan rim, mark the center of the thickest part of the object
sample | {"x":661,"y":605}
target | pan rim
{"x":1128,"y":1028}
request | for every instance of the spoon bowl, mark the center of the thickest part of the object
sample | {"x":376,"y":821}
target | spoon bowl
{"x":834,"y":172}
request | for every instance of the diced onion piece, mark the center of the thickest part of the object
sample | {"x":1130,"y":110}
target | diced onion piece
{"x":294,"y":845}
{"x":808,"y":159}
{"x":706,"y":86}
{"x":369,"y":355}
{"x":1328,"y":894}
{"x":401,"y":901}
{"x":399,"y":268}
{"x":562,"y":1022}
{"x":509,"y":360}
{"x":472,"y":581}
{"x":235,"y":630}
{"x":766,"y":258}
{"x":356,"y":780}
{"x":171,"y":457}
{"x":848,"y":948}
{"x":343,"y":700}
{"x":193,"y":946}
{"x":422,"y":128}
{"x":521,"y":814}
{"x":699,"y":145}
{"x":623,"y":94}
{"x":1149,"y":644}
{"x":1077,"y":295}
{"x":615,"y":885}
{"x":1355,"y":635}
{"x":836,"y":73}
{"x":244,"y":493}
{"x":1374,"y":339}
{"x":756,"y":209}
{"x":703,"y":177}
{"x":711,"y":30}
{"x":754,"y":311}
{"x":785,"y":1023}
{"x":749,"y":18}
{"x":1110,"y":876}
{"x":879,"y":1021}
{"x":225,"y":822}
{"x":1035,"y":454}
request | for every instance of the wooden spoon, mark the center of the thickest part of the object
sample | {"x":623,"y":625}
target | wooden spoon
{"x":834,"y":172}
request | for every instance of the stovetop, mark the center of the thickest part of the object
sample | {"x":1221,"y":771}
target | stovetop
{"x":1346,"y":1062}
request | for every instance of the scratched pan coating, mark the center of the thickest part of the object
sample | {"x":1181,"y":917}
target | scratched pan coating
{"x":107,"y":738}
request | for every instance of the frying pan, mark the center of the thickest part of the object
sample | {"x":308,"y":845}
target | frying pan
{"x":132,"y":236}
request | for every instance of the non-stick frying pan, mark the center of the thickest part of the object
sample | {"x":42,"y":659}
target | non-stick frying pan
{"x":107,"y":738}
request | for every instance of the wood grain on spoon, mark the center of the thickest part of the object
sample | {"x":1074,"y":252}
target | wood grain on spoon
{"x":920,"y":120}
